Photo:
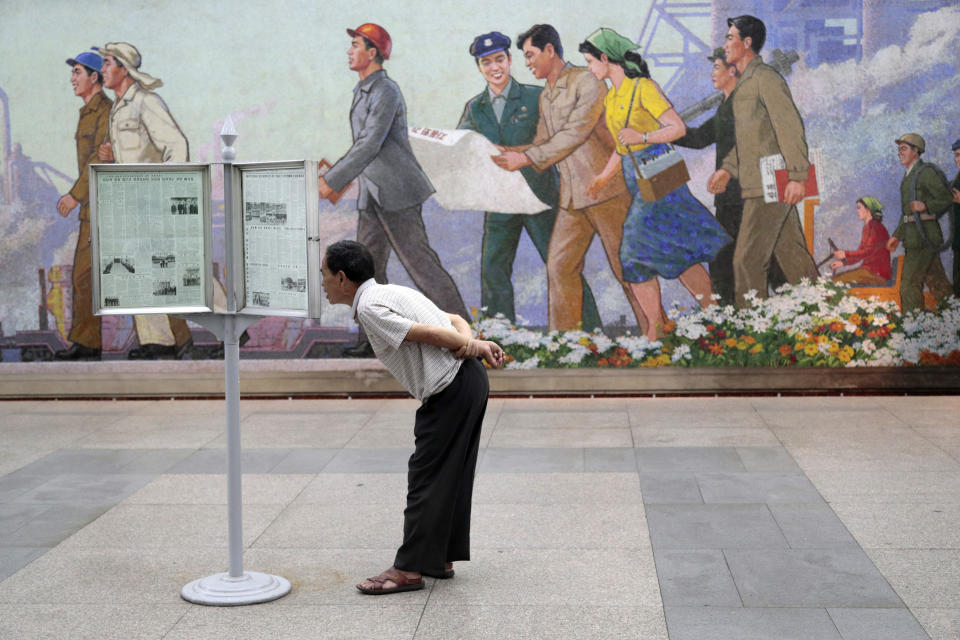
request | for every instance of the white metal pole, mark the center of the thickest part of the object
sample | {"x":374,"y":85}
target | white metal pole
{"x":236,"y":587}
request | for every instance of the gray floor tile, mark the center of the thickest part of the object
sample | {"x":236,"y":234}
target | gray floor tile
{"x":86,"y":488}
{"x":539,"y":621}
{"x":156,"y":460}
{"x":12,"y":559}
{"x":573,"y":438}
{"x":589,"y":577}
{"x":695,"y":579}
{"x":360,"y":621}
{"x":767,"y":459}
{"x":335,"y":526}
{"x":532,"y":460}
{"x":700,"y":459}
{"x":369,"y":461}
{"x":562,"y":526}
{"x":811,"y":526}
{"x":212,"y":488}
{"x":809,"y":578}
{"x":562,"y":420}
{"x":610,"y":459}
{"x":105,"y":461}
{"x":670,"y":488}
{"x":89,"y":621}
{"x":66,"y":575}
{"x":877,"y":624}
{"x":356,"y":488}
{"x":54,"y":525}
{"x":713,"y":526}
{"x":16,"y":484}
{"x":706,"y":436}
{"x":15,"y":515}
{"x":215,"y":461}
{"x":177,"y":526}
{"x":716,"y":623}
{"x":305,"y":461}
{"x":757,"y":487}
{"x":557,"y":488}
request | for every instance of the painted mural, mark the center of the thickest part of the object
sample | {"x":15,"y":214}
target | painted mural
{"x":726,"y":183}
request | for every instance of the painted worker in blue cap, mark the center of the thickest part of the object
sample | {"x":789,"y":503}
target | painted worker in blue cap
{"x":955,"y":190}
{"x":506,"y":113}
{"x":92,"y":131}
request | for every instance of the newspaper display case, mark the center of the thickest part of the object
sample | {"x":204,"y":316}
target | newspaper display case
{"x":151,"y":238}
{"x":276,"y":208}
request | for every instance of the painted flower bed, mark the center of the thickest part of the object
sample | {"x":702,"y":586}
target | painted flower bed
{"x":812,"y":324}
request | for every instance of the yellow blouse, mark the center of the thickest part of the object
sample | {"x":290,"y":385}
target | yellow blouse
{"x":649,"y":105}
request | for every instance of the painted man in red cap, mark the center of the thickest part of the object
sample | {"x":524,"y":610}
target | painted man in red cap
{"x":392,"y":185}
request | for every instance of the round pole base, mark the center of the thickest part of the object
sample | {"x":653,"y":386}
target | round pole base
{"x":221,"y":590}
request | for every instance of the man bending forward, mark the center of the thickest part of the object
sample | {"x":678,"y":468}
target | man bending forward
{"x":434,"y":356}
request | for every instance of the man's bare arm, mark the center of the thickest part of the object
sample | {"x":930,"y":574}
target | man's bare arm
{"x":437,"y":336}
{"x":458,"y":342}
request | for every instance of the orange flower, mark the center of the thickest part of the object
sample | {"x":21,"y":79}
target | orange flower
{"x":854,"y":318}
{"x":715,"y":349}
{"x":785,"y":349}
{"x":750,"y":340}
{"x":669,"y":326}
{"x":836,"y":327}
{"x":730,"y":342}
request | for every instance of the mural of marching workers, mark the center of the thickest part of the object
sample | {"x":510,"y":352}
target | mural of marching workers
{"x":727,"y":183}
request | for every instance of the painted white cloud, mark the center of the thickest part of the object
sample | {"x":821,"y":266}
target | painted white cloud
{"x":934,"y":38}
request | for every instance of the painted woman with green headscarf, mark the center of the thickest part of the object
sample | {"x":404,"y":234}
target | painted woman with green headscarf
{"x":671,"y":237}
{"x":872,"y":251}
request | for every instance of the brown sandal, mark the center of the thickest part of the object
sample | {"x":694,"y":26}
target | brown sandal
{"x":402,"y":582}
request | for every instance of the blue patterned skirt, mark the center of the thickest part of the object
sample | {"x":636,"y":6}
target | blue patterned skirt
{"x":666,"y":237}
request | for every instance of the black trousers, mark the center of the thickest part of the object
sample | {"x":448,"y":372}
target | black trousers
{"x":436,"y":522}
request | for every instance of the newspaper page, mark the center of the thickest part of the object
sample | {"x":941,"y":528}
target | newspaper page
{"x":151,"y":239}
{"x":275,"y":238}
{"x":459,"y":166}
{"x":769,"y":165}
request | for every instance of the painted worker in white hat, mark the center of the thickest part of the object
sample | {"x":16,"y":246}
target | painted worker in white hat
{"x":142,"y":130}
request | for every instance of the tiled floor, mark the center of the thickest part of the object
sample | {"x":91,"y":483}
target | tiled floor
{"x":679,"y":518}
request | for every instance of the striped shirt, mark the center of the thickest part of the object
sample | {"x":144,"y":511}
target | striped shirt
{"x":387,"y":312}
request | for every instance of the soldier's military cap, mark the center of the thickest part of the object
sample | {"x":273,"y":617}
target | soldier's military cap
{"x":956,"y":145}
{"x":914,"y":140}
{"x":489,"y":43}
{"x":718,"y":54}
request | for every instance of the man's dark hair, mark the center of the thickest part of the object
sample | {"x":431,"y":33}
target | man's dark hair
{"x":352,"y":258}
{"x":750,"y":27}
{"x":632,"y":56}
{"x":99,"y":79}
{"x":369,"y":45}
{"x":540,"y":35}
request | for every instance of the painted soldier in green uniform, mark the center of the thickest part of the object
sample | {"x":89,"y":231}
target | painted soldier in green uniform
{"x":924,"y":196}
{"x":506,"y":113}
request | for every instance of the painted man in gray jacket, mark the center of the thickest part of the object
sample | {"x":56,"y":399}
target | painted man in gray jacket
{"x":392,"y":185}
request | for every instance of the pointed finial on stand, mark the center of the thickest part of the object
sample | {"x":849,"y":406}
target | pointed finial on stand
{"x":228,"y":135}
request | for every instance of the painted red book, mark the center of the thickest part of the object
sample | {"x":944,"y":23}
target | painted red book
{"x":783,"y":179}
